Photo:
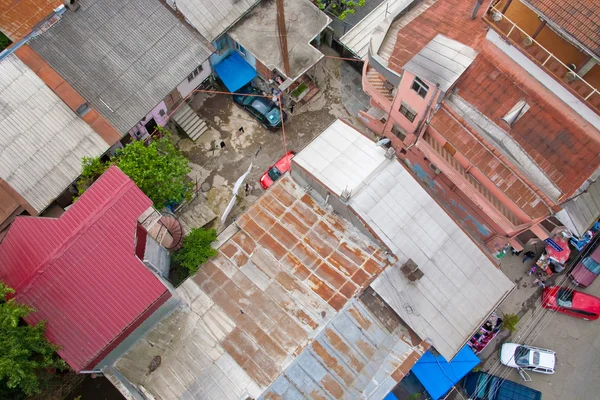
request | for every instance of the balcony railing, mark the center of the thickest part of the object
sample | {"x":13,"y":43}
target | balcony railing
{"x":544,"y":58}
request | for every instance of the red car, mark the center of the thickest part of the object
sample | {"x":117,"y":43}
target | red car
{"x":587,"y":270}
{"x":571,"y":302}
{"x":280,"y":168}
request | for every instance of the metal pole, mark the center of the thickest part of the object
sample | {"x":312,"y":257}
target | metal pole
{"x":476,"y":8}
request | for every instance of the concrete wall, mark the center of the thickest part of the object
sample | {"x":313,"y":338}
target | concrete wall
{"x":186,"y":87}
{"x":159,"y":113}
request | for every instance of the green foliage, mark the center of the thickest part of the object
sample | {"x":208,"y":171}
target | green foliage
{"x":299,"y":90}
{"x":4,"y":41}
{"x":196,"y":249}
{"x":340,"y":8}
{"x":158,"y":169}
{"x":477,"y":368}
{"x":25,"y":353}
{"x":91,"y":170}
{"x":415,"y":396}
{"x":510,"y":321}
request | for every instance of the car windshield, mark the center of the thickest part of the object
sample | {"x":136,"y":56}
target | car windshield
{"x":261,"y":106}
{"x":274,"y":173}
{"x":522,"y":356}
{"x":592,"y":265}
{"x":536,"y":358}
{"x":274,"y":116}
{"x":564,"y":298}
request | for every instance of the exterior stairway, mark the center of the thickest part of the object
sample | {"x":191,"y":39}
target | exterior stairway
{"x":378,"y":84}
{"x":190,"y":122}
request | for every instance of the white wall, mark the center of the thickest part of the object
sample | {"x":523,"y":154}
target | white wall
{"x":185,"y":87}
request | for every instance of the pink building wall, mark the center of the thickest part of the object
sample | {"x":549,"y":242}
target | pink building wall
{"x":160,"y":116}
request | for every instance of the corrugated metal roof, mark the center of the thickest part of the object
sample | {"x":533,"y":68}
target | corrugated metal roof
{"x":461,"y":286}
{"x":358,"y":38}
{"x":252,"y":309}
{"x":41,"y":140}
{"x":353,"y":357}
{"x":441,"y":62}
{"x":579,"y":213}
{"x":330,"y":158}
{"x":79,"y":272}
{"x":123,"y":57}
{"x":213,"y":17}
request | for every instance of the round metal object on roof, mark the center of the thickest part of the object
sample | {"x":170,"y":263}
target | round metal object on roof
{"x":205,"y":187}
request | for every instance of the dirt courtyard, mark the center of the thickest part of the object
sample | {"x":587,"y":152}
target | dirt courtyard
{"x":221,"y":167}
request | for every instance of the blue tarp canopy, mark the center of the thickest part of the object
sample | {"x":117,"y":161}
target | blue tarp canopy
{"x":438,"y":375}
{"x":234,"y":71}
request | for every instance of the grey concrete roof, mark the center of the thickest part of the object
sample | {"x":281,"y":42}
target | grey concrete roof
{"x":122,"y":57}
{"x":213,"y":17}
{"x":41,"y":140}
{"x":257,"y":32}
{"x":441,"y":62}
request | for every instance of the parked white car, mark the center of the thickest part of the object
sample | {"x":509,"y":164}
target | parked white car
{"x":528,"y":358}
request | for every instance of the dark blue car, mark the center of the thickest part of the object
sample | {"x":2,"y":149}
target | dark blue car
{"x":261,"y":108}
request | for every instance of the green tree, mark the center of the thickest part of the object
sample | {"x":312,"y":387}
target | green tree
{"x":340,"y":8}
{"x":4,"y":41}
{"x":159,"y":169}
{"x":26,"y":355}
{"x":196,"y":249}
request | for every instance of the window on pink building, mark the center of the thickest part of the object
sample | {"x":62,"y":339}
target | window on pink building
{"x":407,"y":112}
{"x":420,"y":87}
{"x":396,"y":130}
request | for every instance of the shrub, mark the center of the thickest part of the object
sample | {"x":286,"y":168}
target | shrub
{"x":196,"y":249}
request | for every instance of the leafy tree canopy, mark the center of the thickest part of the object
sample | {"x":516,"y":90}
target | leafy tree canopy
{"x":196,"y":248}
{"x":159,"y":169}
{"x":25,"y":353}
{"x":340,"y":8}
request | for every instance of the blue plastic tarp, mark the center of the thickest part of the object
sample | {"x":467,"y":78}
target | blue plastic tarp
{"x":438,"y":375}
{"x":234,"y":71}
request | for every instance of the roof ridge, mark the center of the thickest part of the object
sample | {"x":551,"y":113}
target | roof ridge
{"x":120,"y":191}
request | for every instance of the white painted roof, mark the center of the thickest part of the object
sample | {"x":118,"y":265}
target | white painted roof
{"x":461,"y":286}
{"x":358,"y":38}
{"x":579,"y":213}
{"x":213,"y":17}
{"x":341,"y":158}
{"x":42,"y":140}
{"x":442,"y":61}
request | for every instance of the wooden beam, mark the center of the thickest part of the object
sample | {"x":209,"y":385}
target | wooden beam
{"x":283,"y":47}
{"x":506,"y":6}
{"x":539,"y":29}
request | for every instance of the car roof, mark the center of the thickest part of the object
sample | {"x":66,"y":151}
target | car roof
{"x":283,"y":164}
{"x":585,"y":301}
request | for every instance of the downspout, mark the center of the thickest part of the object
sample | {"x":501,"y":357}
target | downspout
{"x":425,"y":119}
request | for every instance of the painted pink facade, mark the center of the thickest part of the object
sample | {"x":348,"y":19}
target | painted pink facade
{"x":480,"y":187}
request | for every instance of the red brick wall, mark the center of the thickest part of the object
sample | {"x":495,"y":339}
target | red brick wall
{"x":67,"y":93}
{"x":263,"y":71}
{"x":17,"y":17}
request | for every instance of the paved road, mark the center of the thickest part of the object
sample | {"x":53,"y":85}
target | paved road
{"x":577,"y":345}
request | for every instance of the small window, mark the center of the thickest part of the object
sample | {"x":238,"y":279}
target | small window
{"x":399,"y":132}
{"x":420,"y":87}
{"x":407,"y":112}
{"x":195,"y":73}
{"x":240,"y":48}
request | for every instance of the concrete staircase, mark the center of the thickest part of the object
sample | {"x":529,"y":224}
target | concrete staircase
{"x":190,"y":122}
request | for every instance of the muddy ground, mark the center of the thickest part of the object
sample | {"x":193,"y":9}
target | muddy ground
{"x":221,"y":167}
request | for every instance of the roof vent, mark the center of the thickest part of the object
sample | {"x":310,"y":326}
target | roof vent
{"x":411,"y":271}
{"x":516,"y":113}
{"x":72,"y":5}
{"x":345,"y":195}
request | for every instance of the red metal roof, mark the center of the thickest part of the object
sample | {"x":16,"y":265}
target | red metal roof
{"x":79,"y":272}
